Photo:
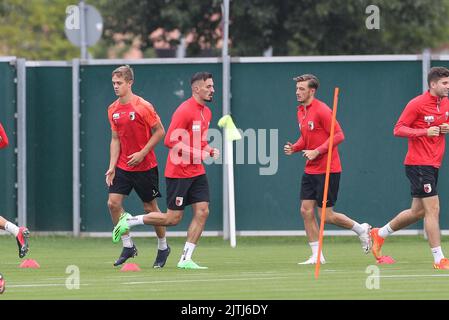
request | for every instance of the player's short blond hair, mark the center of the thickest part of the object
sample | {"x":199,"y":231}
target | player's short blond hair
{"x":125,"y":72}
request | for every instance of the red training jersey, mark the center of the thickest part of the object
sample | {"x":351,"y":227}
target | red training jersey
{"x":315,"y":126}
{"x":133,"y":122}
{"x":187,"y":140}
{"x":422,"y":112}
{"x":4,"y":138}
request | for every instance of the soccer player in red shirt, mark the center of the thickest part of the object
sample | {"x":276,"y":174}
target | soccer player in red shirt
{"x":136,"y":130}
{"x":21,"y":233}
{"x":424,"y":122}
{"x":186,"y":179}
{"x":314,"y":118}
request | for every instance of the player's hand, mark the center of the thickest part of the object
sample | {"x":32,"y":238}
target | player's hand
{"x":135,"y":159}
{"x":444,"y":128}
{"x":433,"y":131}
{"x":288,"y":148}
{"x":310,"y":154}
{"x":215,"y":153}
{"x":110,"y":174}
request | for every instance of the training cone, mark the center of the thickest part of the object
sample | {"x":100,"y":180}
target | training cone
{"x":29,"y":263}
{"x":130,"y":267}
{"x":385,"y":260}
{"x":232,"y":133}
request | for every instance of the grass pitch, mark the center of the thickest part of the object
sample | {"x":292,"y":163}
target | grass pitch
{"x":259,"y":268}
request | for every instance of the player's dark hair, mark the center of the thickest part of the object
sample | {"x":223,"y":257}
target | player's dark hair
{"x":436,"y":73}
{"x":200,"y":76}
{"x":313,"y":82}
{"x":125,"y":72}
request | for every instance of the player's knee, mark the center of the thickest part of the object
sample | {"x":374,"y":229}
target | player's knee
{"x":306,"y":212}
{"x":330,"y":218}
{"x":419,"y":213}
{"x":203,"y":213}
{"x":173,"y":219}
{"x":434,"y":209}
{"x":114,"y":205}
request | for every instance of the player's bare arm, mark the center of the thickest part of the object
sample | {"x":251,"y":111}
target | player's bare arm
{"x":115,"y":152}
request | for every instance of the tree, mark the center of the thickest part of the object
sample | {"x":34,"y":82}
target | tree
{"x":325,"y":27}
{"x":34,"y":29}
{"x":199,"y":18}
{"x":292,"y":27}
{"x":339,"y":27}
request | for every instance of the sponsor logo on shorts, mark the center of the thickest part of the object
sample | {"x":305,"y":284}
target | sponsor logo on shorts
{"x":427,"y":188}
{"x":179,"y":201}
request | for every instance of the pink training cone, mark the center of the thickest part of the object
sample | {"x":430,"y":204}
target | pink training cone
{"x":385,"y":260}
{"x":29,"y":263}
{"x":130,"y":267}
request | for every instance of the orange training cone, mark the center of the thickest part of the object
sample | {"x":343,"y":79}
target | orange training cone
{"x":29,"y":263}
{"x":130,"y":267}
{"x":385,"y":260}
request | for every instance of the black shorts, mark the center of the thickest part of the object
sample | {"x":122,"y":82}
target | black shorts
{"x":312,"y":188}
{"x":182,"y":192}
{"x":423,"y":180}
{"x":146,"y":183}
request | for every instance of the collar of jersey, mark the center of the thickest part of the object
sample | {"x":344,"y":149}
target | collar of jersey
{"x":431,"y":96}
{"x":194,"y":102}
{"x":308,"y":106}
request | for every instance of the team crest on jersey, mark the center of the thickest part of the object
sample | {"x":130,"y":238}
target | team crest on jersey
{"x":179,"y":201}
{"x":116,"y":116}
{"x":132,"y":115}
{"x":427,"y":188}
{"x":429,"y":119}
{"x":311,"y":125}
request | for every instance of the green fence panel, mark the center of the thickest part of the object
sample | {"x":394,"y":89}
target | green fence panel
{"x":8,"y":157}
{"x":372,"y":95}
{"x":373,"y":186}
{"x":164,"y":85}
{"x":49,"y":148}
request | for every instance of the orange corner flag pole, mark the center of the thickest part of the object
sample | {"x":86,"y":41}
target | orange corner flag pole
{"x":326,"y":182}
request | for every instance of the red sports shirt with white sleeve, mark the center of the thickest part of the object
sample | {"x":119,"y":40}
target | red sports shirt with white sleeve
{"x":187,"y":140}
{"x":421,"y":113}
{"x":133,"y":122}
{"x":4,"y":138}
{"x":315,"y":125}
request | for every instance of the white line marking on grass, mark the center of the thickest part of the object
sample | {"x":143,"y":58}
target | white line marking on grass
{"x":201,"y":280}
{"x":40,"y":285}
{"x":414,"y":275}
